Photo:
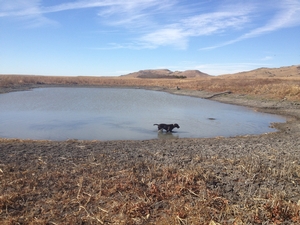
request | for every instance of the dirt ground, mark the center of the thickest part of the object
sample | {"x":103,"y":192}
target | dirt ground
{"x":238,"y":180}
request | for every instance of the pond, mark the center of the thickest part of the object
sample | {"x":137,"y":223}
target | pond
{"x":122,"y":114}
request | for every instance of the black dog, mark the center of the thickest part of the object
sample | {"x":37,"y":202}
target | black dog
{"x":167,"y":127}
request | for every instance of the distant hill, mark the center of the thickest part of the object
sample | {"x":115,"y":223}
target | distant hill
{"x":288,"y":71}
{"x":165,"y":73}
{"x":282,"y":72}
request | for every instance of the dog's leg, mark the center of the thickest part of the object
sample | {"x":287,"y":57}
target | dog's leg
{"x":160,"y":128}
{"x":169,"y":129}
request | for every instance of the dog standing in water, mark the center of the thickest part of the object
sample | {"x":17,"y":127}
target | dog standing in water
{"x":167,"y":127}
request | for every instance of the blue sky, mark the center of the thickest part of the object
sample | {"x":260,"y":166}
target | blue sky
{"x":116,"y":37}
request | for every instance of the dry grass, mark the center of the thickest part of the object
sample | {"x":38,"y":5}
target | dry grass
{"x":273,"y":88}
{"x":247,"y":190}
{"x":253,"y":188}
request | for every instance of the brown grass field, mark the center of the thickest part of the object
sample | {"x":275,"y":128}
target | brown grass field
{"x":240,"y":180}
{"x":75,"y":182}
{"x":287,"y":88}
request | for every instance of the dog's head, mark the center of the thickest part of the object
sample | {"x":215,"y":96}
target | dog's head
{"x":176,"y":125}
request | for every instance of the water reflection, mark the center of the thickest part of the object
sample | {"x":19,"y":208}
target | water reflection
{"x":119,"y":114}
{"x":165,"y":135}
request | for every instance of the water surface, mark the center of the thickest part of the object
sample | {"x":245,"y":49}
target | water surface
{"x":121,"y":114}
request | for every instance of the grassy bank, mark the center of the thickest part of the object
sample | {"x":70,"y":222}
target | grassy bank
{"x":272,"y":88}
{"x":108,"y":183}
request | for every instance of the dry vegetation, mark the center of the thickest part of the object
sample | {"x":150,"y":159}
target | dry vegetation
{"x":77,"y":182}
{"x":79,"y":187}
{"x":272,"y":88}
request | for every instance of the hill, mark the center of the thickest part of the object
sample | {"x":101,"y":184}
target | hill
{"x":282,"y":72}
{"x":165,"y":73}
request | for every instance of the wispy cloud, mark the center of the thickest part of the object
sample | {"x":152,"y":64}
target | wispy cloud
{"x":112,"y":13}
{"x":156,"y":23}
{"x":107,"y":7}
{"x":285,"y":14}
{"x":27,"y":11}
{"x":18,"y":7}
{"x":178,"y":34}
{"x":267,"y":58}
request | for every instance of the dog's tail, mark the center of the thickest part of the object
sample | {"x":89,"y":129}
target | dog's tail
{"x":155,"y":124}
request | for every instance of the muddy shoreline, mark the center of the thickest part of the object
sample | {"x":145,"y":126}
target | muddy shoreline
{"x":247,"y":172}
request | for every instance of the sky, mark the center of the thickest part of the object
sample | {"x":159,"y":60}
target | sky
{"x":117,"y":37}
